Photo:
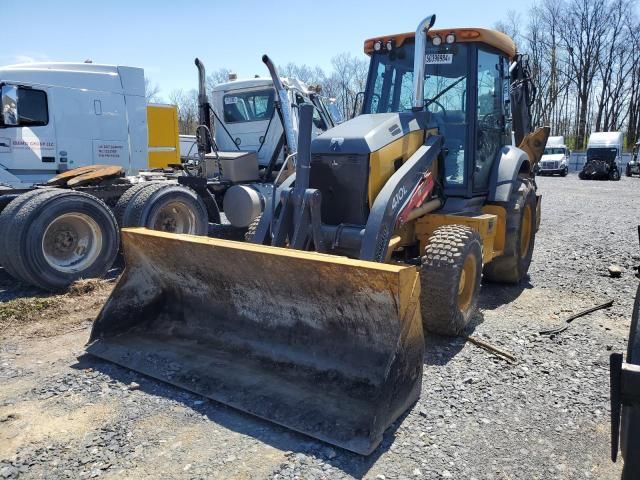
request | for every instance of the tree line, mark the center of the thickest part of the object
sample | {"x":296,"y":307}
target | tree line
{"x":584,"y":57}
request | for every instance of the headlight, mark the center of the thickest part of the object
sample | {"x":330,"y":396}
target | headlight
{"x":450,"y":38}
{"x":436,"y":40}
{"x":389,"y":45}
{"x":377,"y":46}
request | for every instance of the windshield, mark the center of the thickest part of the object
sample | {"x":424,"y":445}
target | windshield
{"x":602,"y":153}
{"x":554,"y":151}
{"x":445,"y":86}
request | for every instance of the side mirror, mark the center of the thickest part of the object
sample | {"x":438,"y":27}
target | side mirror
{"x":9,"y":94}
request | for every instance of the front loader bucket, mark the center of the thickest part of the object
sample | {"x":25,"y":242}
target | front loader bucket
{"x":325,"y":345}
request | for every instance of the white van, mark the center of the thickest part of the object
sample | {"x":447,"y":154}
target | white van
{"x":555,"y":159}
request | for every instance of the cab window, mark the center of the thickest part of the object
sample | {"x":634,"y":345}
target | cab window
{"x":24,"y":107}
{"x":251,"y":106}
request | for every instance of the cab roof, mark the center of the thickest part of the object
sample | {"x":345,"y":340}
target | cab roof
{"x":493,"y":38}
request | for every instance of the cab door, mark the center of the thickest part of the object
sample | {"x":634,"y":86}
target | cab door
{"x":27,"y":133}
{"x":490,"y":118}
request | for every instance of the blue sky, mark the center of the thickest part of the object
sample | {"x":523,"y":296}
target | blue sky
{"x":164,"y":36}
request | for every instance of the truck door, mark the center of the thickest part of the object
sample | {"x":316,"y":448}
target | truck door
{"x":27,"y":133}
{"x":246,"y":115}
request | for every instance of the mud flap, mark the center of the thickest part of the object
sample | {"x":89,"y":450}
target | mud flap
{"x":324,"y":345}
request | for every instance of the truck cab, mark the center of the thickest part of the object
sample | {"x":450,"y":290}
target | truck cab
{"x":555,"y":159}
{"x":59,"y":116}
{"x":604,"y":152}
{"x":246,"y":117}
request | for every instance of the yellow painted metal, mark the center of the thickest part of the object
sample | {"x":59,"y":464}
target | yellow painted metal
{"x":326,"y":345}
{"x":384,"y":162}
{"x":493,"y":38}
{"x":467,"y":283}
{"x":534,"y":143}
{"x":164,"y":138}
{"x":485,"y":224}
{"x":526,"y":231}
{"x":501,"y":226}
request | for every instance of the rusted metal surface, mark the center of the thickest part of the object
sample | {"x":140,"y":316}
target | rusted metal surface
{"x":86,"y":175}
{"x":325,"y":345}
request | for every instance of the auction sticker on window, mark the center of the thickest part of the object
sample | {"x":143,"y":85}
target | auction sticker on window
{"x":438,"y":58}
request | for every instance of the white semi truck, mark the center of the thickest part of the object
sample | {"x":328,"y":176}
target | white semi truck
{"x":555,"y":159}
{"x":604,"y":153}
{"x":59,"y":116}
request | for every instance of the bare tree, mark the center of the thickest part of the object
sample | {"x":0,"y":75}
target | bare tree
{"x":187,"y":103}
{"x":217,"y":77}
{"x":151,"y":91}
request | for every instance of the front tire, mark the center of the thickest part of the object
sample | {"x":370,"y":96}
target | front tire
{"x":564,"y":172}
{"x":450,"y":274}
{"x":512,"y":266}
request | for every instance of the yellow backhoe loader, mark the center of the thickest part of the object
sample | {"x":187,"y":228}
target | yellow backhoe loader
{"x":387,"y":226}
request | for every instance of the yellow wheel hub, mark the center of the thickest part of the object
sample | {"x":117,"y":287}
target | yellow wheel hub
{"x":467,"y":283}
{"x":525,"y":231}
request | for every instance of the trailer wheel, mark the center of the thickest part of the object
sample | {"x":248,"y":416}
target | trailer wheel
{"x":450,"y":276}
{"x":614,"y":174}
{"x":169,"y":208}
{"x":6,"y":260}
{"x":513,"y":264}
{"x":58,"y":236}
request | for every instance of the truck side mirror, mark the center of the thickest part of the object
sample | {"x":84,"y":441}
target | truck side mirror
{"x":9,"y":94}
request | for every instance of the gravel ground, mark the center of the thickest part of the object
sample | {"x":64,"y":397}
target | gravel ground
{"x":67,"y":415}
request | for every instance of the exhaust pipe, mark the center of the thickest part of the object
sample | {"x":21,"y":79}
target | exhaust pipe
{"x":204,"y":109}
{"x":418,"y":62}
{"x":285,"y":106}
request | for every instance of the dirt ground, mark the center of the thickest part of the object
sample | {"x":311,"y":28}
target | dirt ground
{"x":64,"y":414}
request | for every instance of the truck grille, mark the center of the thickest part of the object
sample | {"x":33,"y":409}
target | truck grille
{"x":550,"y":165}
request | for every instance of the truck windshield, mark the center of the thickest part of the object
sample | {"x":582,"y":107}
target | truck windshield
{"x":602,"y":153}
{"x":554,"y":151}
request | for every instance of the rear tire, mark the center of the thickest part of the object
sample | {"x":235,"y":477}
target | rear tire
{"x":167,"y":207}
{"x":450,"y":276}
{"x":59,"y":236}
{"x":6,"y":259}
{"x":513,"y":264}
{"x":127,"y":197}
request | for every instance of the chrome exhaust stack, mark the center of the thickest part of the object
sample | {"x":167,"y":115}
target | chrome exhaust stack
{"x":204,"y":109}
{"x":285,"y":107}
{"x":418,"y":61}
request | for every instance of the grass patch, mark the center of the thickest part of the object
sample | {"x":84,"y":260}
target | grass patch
{"x":25,"y":309}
